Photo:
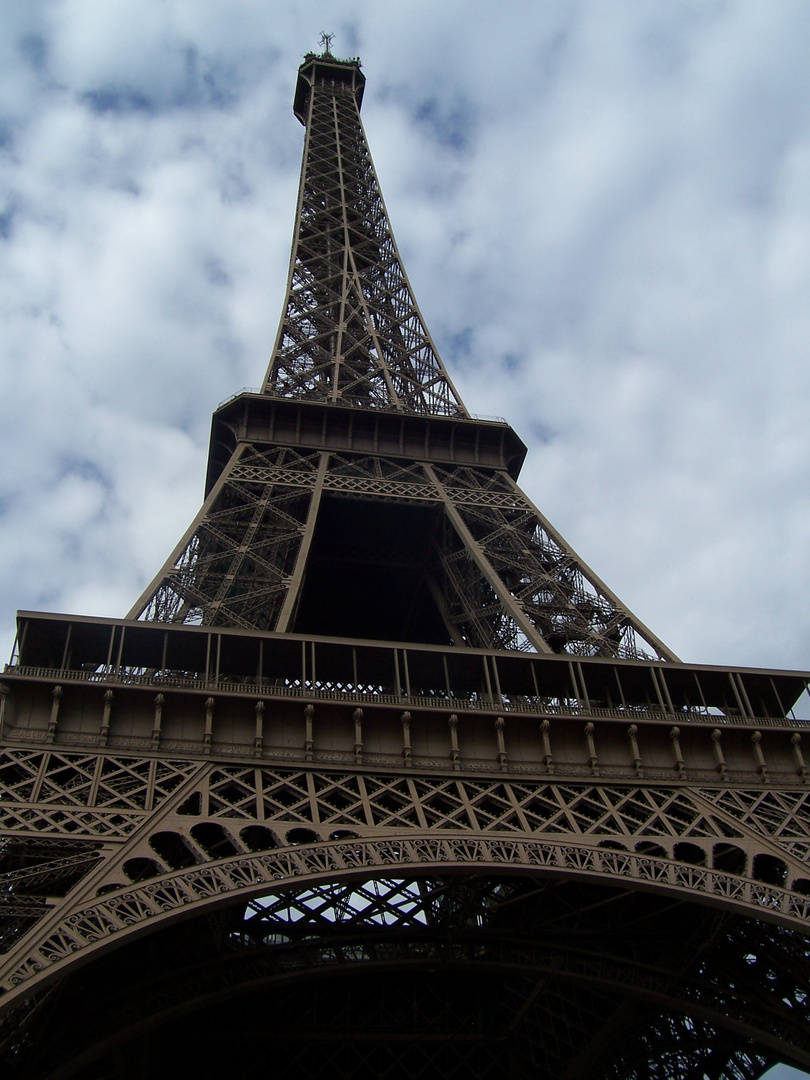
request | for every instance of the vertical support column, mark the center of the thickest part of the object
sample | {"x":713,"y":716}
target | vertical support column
{"x":717,"y":735}
{"x":120,"y":651}
{"x":56,"y":694}
{"x":621,"y":689}
{"x":487,"y":680}
{"x":632,"y":734}
{"x":736,"y":693}
{"x":577,"y":666}
{"x":258,"y":738}
{"x":157,"y":723}
{"x":105,"y":719}
{"x":406,"y":738}
{"x":548,"y":760}
{"x":593,"y":760}
{"x":454,"y":752}
{"x":759,"y":757}
{"x":659,"y":672}
{"x":407,"y":673}
{"x":743,"y":693}
{"x":798,"y":756}
{"x":657,"y":687}
{"x":309,"y":713}
{"x":208,"y":732}
{"x":66,"y":651}
{"x":499,"y":725}
{"x":397,"y":678}
{"x":3,"y":696}
{"x":357,"y":716}
{"x":680,"y":765}
{"x":497,"y":678}
{"x":296,"y":580}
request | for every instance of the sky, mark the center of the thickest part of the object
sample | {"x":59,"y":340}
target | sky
{"x":604,"y":210}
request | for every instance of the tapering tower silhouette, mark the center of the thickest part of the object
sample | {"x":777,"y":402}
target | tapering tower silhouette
{"x":378,"y":778}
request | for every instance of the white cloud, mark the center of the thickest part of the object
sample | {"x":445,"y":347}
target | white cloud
{"x":604,"y":208}
{"x":604,"y":212}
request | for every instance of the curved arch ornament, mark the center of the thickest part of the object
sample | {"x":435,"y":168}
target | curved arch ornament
{"x":108,"y":920}
{"x":400,"y":786}
{"x":576,"y":838}
{"x":356,"y":920}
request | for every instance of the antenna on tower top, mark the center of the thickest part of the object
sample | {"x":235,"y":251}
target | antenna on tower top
{"x":326,"y":40}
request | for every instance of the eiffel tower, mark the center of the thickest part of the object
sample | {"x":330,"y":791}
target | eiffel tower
{"x":378,"y":778}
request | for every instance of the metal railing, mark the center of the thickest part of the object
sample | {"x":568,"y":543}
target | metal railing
{"x":438,"y":700}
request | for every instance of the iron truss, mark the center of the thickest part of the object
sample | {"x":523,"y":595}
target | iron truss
{"x":499,"y":575}
{"x":351,"y":331}
{"x":410,"y":793}
{"x":485,"y":975}
{"x":568,"y":928}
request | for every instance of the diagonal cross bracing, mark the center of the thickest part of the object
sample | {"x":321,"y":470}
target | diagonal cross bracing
{"x":351,"y":332}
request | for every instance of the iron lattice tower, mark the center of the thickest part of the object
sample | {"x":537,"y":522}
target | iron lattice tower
{"x":378,"y":778}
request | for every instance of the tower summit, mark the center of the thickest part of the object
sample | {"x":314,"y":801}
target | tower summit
{"x":355,"y":495}
{"x":351,"y":332}
{"x":378,"y":778}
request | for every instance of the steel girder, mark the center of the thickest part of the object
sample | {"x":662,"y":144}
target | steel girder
{"x":500,"y":574}
{"x":161,"y":914}
{"x":628,"y":926}
{"x":351,"y":331}
{"x":505,"y":975}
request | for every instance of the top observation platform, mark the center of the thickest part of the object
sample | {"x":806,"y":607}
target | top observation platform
{"x":326,"y":69}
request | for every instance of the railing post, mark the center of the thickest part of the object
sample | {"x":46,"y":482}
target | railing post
{"x":406,"y":738}
{"x":454,"y":752}
{"x":158,"y":721}
{"x":499,"y":724}
{"x":56,"y":693}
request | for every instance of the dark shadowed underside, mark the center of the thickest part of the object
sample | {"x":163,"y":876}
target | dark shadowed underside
{"x":378,"y":778}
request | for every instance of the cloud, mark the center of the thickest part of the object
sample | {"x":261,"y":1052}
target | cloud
{"x":603,"y":209}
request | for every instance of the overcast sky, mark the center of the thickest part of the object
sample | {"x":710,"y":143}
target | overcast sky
{"x":604,"y":209}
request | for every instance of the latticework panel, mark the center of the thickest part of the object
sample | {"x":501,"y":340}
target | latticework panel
{"x":499,"y":576}
{"x":407,"y":975}
{"x":174,"y":834}
{"x":351,"y":332}
{"x":566,"y":604}
{"x":232,"y":568}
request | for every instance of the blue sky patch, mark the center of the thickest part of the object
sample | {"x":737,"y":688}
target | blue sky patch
{"x":449,"y":122}
{"x":7,"y":223}
{"x":216,"y":273}
{"x":87,"y":470}
{"x":117,"y":99}
{"x":35,"y":50}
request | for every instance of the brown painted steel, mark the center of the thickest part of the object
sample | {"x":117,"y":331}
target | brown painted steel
{"x":379,"y":778}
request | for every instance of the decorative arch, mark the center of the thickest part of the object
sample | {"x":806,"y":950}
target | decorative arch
{"x":328,"y":960}
{"x":108,"y":920}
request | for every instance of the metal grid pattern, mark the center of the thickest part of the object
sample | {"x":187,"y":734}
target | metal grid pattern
{"x":352,"y":335}
{"x":351,"y":332}
{"x":233,"y":565}
{"x":382,"y":919}
{"x":506,"y":578}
